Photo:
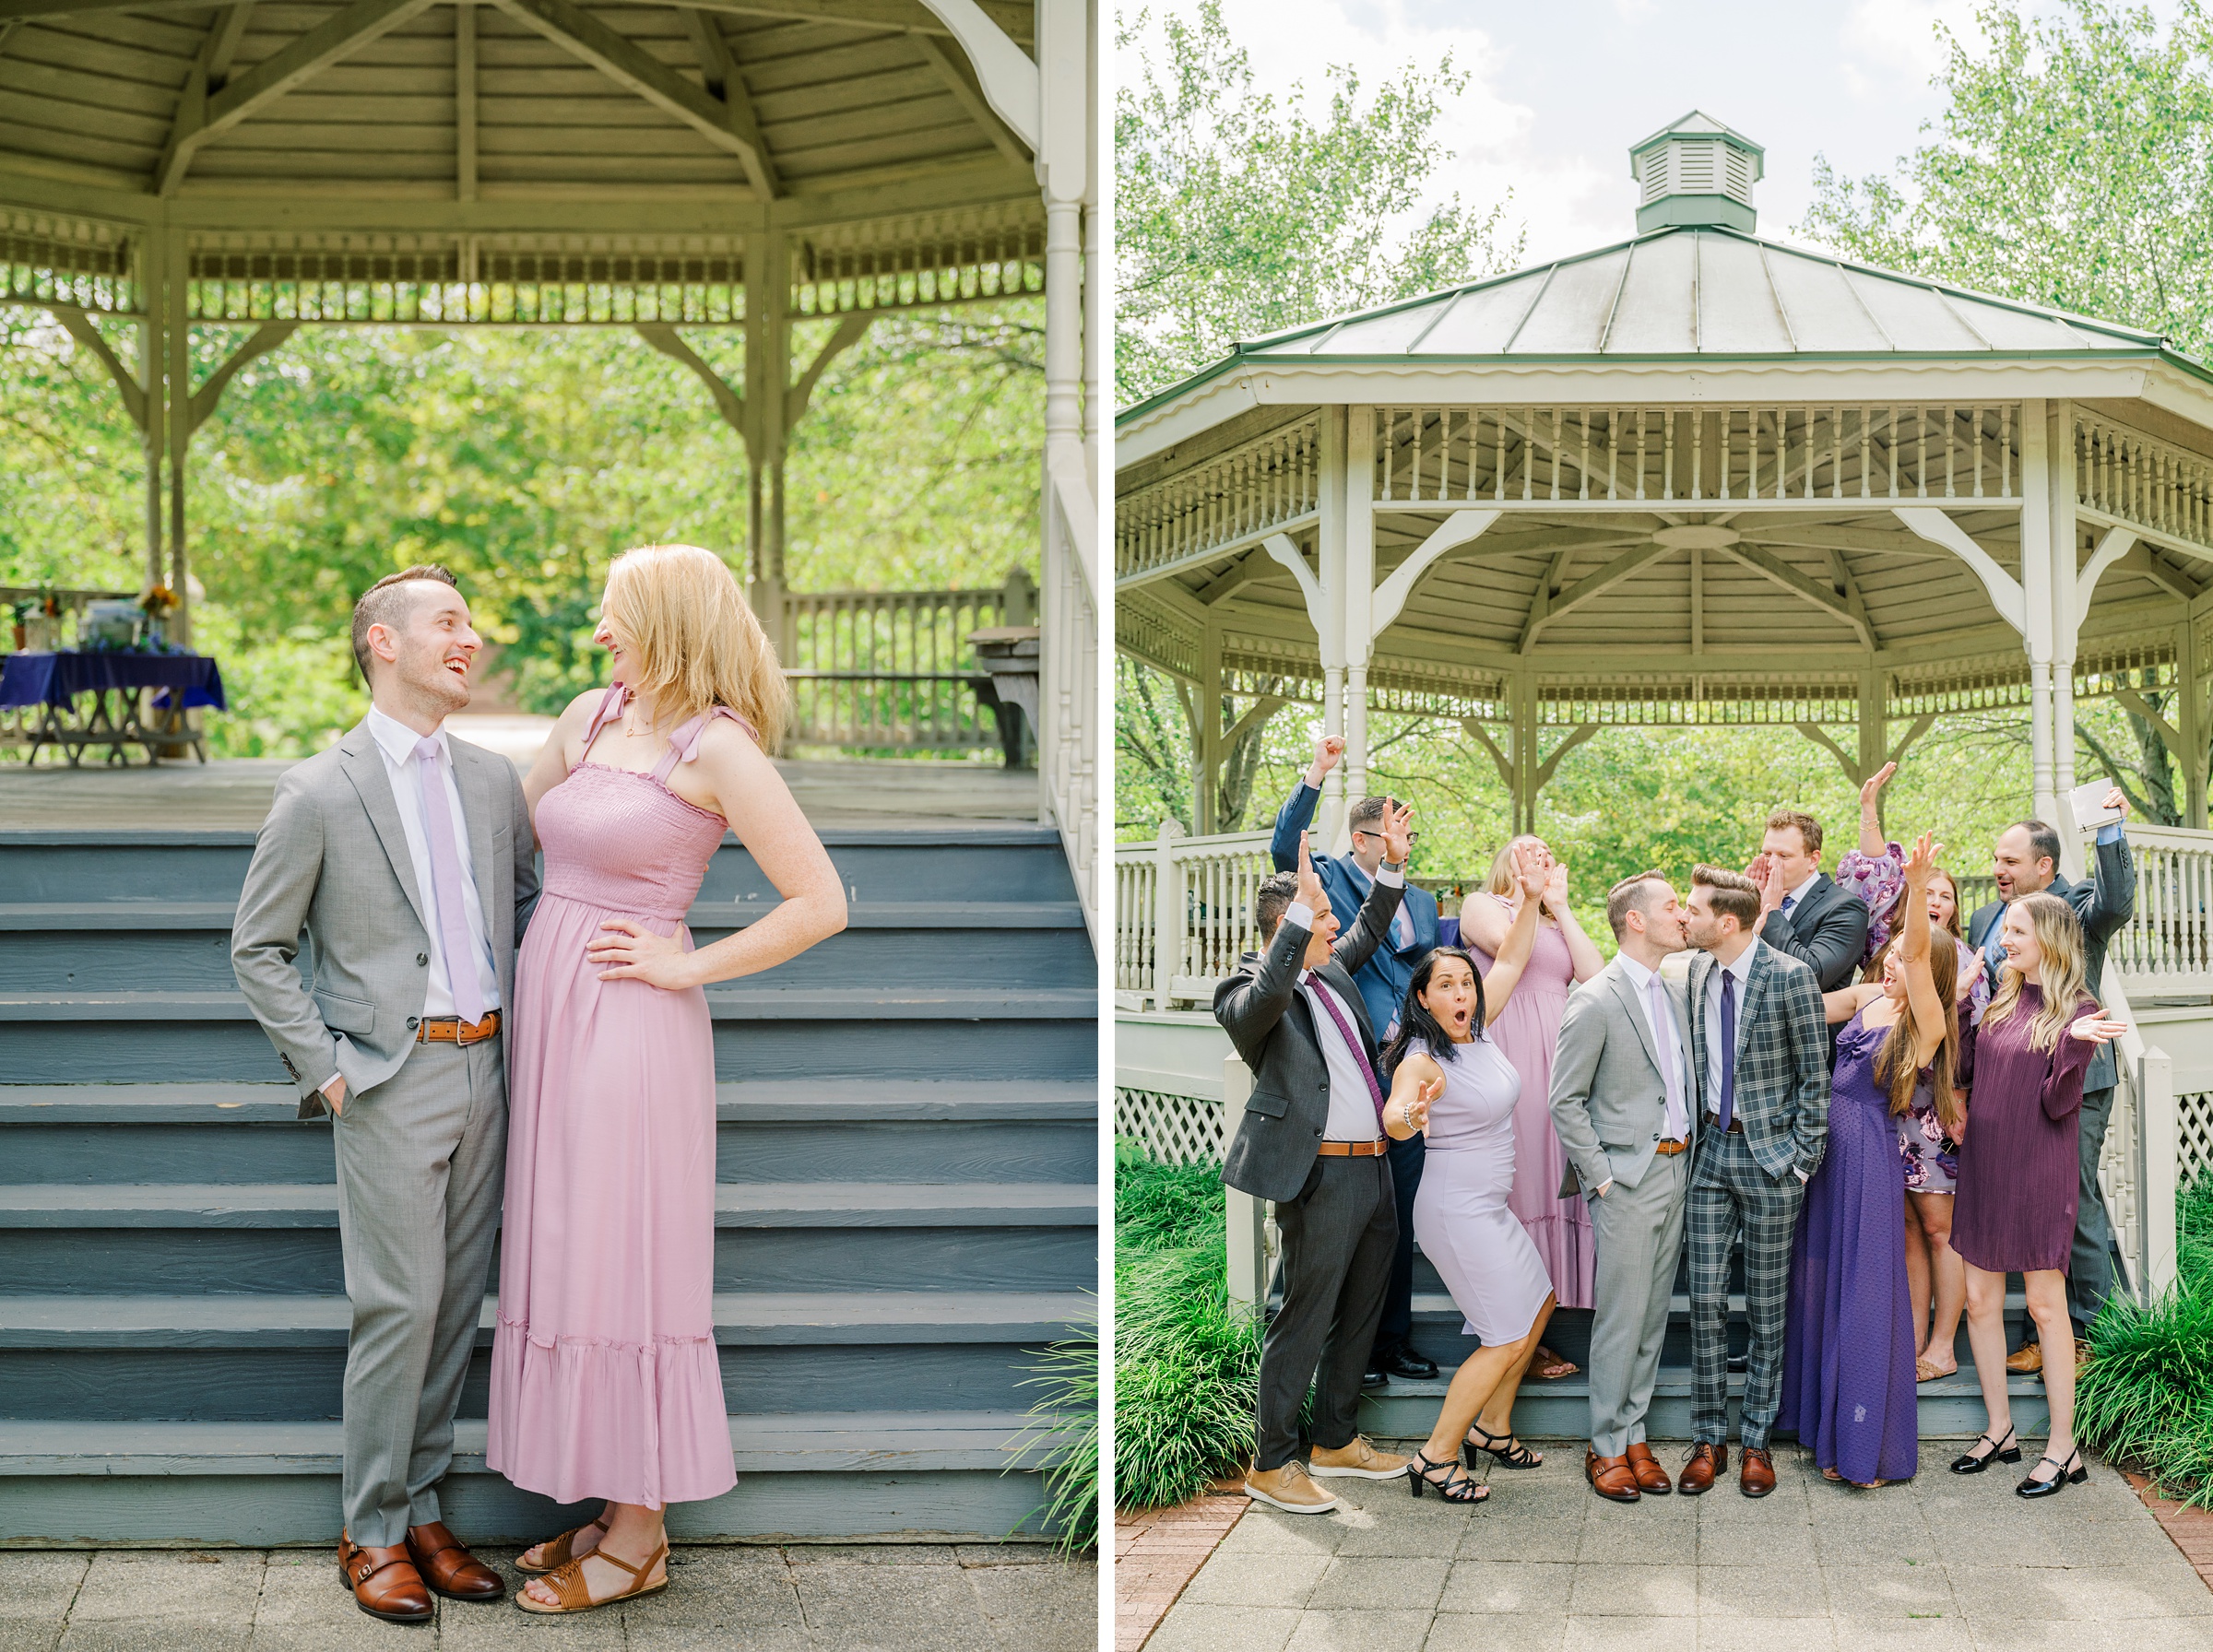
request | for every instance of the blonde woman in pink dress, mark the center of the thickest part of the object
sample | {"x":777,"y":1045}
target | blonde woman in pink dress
{"x":1527,"y":1032}
{"x":604,"y":1378}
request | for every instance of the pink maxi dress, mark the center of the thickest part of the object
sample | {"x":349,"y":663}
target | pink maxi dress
{"x":604,"y":1377}
{"x":1528,"y":1031}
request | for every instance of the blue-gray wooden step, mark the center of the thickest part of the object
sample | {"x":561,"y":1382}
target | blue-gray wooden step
{"x":900,"y":1474}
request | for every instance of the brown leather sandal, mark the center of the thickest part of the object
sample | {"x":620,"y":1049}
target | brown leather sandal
{"x":568,"y":1583}
{"x":557,"y":1548}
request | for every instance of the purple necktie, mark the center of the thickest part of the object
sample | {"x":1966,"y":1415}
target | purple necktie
{"x":1728,"y":1048}
{"x":1329,"y":1002}
{"x":445,"y":883}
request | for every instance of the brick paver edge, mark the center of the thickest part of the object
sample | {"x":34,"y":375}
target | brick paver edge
{"x":1157,"y":1552}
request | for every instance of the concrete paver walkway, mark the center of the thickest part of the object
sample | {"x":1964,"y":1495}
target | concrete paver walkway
{"x":895,"y":1597}
{"x":1942,"y":1564}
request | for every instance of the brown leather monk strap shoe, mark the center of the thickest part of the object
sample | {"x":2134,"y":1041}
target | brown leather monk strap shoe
{"x":1651,"y":1479}
{"x":384,"y":1582}
{"x":1705,"y":1462}
{"x":450,"y":1568}
{"x":1610,"y":1476}
{"x":1755,"y":1477}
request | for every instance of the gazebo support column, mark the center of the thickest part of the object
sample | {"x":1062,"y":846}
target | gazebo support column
{"x":1206,"y":743}
{"x":177,"y":329}
{"x":2190,"y":722}
{"x":153,"y":351}
{"x":1354,"y":593}
{"x":2065,"y":620}
{"x":1325,"y":611}
{"x":2036,"y":487}
{"x":767,"y":371}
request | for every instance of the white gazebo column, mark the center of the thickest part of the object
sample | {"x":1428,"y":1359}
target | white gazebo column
{"x":768,"y":371}
{"x":1206,"y":743}
{"x":2189,"y":722}
{"x":177,"y":337}
{"x":1328,"y":615}
{"x":2036,"y":588}
{"x":1874,"y":733}
{"x":1356,"y":593}
{"x":2065,"y":620}
{"x":153,"y":356}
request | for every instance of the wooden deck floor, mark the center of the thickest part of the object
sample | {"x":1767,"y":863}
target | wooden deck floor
{"x":235,"y":794}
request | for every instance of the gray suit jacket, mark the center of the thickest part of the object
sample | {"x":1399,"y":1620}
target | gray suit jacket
{"x":1260,"y":1006}
{"x":1782,"y":1063}
{"x":332,"y":860}
{"x":1609,"y":1094}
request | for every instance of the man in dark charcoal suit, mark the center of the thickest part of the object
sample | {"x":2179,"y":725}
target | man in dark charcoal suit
{"x":1312,"y":1140}
{"x":1759,"y":1061}
{"x":1802,"y":914}
{"x":2024,"y":861}
{"x":1382,"y":981}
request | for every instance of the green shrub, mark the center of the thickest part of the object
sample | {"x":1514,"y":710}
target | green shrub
{"x":1162,"y":1206}
{"x":2147,"y":1397}
{"x":1187,"y":1364}
{"x":1066,"y":1422}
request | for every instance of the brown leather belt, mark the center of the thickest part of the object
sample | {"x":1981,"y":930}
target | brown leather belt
{"x":1736,"y":1125}
{"x":1669,"y":1147}
{"x":1355,"y":1149}
{"x":452,"y":1029}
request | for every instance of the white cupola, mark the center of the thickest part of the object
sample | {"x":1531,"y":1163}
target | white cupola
{"x":1695,"y":171}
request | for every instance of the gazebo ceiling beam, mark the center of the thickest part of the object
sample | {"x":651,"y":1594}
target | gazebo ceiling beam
{"x":203,"y":113}
{"x":2140,"y":561}
{"x":630,"y":66}
{"x":1544,"y":606}
{"x":2006,"y":593}
{"x":1255,"y":564}
{"x":1838,"y":607}
{"x":970,"y":97}
{"x":718,"y":67}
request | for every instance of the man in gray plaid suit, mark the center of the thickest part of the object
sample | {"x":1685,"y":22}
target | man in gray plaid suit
{"x":1760,"y":1055}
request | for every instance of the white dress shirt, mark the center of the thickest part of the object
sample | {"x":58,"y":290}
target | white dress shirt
{"x":1741,"y":971}
{"x":1676,"y":1123}
{"x":1799,"y":893}
{"x":396,"y":742}
{"x":1352,"y":1109}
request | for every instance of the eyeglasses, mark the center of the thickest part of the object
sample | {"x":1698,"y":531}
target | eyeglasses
{"x":1412,"y":837}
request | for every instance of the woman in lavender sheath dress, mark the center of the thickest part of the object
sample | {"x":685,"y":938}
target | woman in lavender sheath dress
{"x":2020,"y":1174}
{"x":1528,"y":1031}
{"x":1875,"y":872}
{"x":604,"y":1378}
{"x":1848,"y":1388}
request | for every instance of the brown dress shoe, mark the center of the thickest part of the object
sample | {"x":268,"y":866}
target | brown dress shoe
{"x":1651,"y":1479}
{"x":384,"y":1582}
{"x":1706,"y":1461}
{"x":2027,"y":1360}
{"x":1756,"y":1476}
{"x":1610,"y":1476}
{"x":449,"y":1567}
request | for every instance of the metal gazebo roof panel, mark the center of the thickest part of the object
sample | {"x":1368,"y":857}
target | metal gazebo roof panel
{"x":1568,"y":317}
{"x":1656,"y":313}
{"x":1822,"y":310}
{"x":1739,"y":311}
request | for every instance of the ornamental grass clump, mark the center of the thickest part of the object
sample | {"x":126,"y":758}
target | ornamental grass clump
{"x":2147,"y":1397}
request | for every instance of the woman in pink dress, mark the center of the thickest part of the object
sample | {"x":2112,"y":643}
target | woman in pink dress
{"x":1527,"y":1031}
{"x":604,"y":1377}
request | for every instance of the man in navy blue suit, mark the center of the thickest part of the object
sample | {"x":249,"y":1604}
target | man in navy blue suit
{"x":1382,"y":981}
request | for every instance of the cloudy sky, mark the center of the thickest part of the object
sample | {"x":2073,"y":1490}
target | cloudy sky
{"x":1561,"y":89}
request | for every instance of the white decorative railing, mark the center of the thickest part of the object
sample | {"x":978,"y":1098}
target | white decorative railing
{"x":1183,"y":912}
{"x":2167,"y":947}
{"x":1067,"y":701}
{"x":895,"y":670}
{"x":1555,"y":455}
{"x":2140,"y":479}
{"x":1249,"y":491}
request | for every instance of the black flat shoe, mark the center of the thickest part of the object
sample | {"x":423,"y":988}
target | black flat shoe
{"x":1373,"y":1378}
{"x":1405,"y":1362}
{"x":1967,"y":1463}
{"x":2066,"y":1476}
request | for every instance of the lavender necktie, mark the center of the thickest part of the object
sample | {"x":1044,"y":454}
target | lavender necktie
{"x":1728,"y":1048}
{"x":445,"y":884}
{"x":1329,"y":1002}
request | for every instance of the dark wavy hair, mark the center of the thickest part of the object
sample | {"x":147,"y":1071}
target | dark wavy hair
{"x":1414,"y":1020}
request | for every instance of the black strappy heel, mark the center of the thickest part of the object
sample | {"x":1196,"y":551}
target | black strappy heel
{"x":2065,"y":1476}
{"x":1519,"y":1457}
{"x":1967,"y":1463}
{"x":1456,"y":1487}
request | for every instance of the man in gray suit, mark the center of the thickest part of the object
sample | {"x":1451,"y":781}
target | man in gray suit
{"x":1312,"y":1140}
{"x":1759,"y":1052}
{"x":1621,"y":1101}
{"x":407,"y":857}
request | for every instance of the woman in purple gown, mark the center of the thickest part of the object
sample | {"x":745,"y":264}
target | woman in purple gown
{"x":1848,"y":1387}
{"x":2020,"y":1174}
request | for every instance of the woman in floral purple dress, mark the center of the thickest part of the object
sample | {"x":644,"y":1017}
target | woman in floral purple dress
{"x":1875,"y":872}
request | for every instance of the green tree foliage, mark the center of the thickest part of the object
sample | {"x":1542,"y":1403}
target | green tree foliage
{"x":2073,"y":167}
{"x":524,"y":461}
{"x":1239,"y":214}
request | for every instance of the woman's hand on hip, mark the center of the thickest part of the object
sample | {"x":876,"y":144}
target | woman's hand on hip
{"x":636,"y":953}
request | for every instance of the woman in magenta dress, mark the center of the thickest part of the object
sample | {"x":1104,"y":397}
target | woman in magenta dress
{"x":1848,"y":1381}
{"x":604,"y":1378}
{"x":1527,"y":1032}
{"x":2020,"y":1174}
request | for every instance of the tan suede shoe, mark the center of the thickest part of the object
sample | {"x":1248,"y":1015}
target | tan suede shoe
{"x":1355,"y":1460}
{"x":1288,"y":1488}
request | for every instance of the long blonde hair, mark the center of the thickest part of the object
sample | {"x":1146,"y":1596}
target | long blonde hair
{"x":2059,"y":951}
{"x":1894,"y":1068}
{"x":681,"y":617}
{"x":1505,"y":881}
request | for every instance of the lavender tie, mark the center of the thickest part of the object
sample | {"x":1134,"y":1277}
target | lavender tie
{"x":1329,"y":1002}
{"x":1728,"y":1048}
{"x":445,"y":883}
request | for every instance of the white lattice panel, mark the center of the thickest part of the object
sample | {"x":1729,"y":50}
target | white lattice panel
{"x":1174,"y":1129}
{"x":2194,"y":1135}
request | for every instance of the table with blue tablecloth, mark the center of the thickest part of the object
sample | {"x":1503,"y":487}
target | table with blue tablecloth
{"x":137,"y":699}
